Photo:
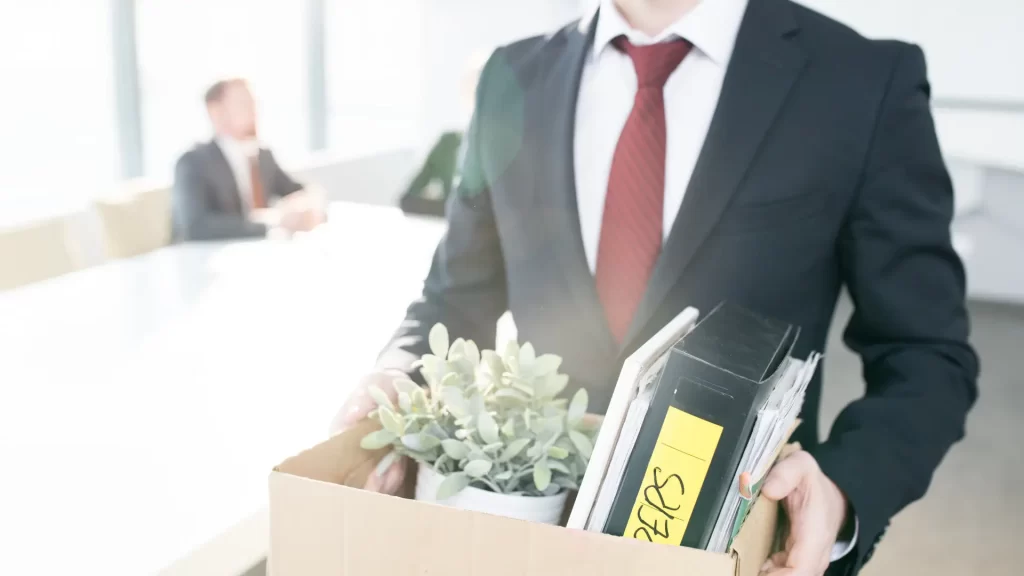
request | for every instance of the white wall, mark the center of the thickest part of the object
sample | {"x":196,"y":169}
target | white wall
{"x":454,"y":30}
{"x":973,"y":46}
{"x":974,"y":50}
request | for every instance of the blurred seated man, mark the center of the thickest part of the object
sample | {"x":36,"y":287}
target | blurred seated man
{"x":430,"y":187}
{"x":231,"y":187}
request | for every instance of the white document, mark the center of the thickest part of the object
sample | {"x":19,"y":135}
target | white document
{"x":627,"y":404}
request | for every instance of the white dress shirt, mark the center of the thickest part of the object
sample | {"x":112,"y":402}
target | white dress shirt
{"x":239,"y":154}
{"x":607,"y":89}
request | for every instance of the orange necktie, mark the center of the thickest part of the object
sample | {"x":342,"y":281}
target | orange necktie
{"x":259,"y":200}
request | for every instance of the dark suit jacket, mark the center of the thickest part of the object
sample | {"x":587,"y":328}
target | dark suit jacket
{"x":821,"y":169}
{"x":206,"y":201}
{"x":441,"y":165}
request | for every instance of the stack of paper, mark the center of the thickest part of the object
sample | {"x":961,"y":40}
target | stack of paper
{"x":775,"y":422}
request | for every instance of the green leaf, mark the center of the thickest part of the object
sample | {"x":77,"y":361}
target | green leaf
{"x":502,"y":476}
{"x":512,"y":395}
{"x":478,"y":468}
{"x":554,"y":385}
{"x":439,"y":340}
{"x":523,"y":387}
{"x":472,"y":353}
{"x":433,"y":365}
{"x":567,"y":483}
{"x":493,"y":363}
{"x":390,"y":421}
{"x":452,"y":485}
{"x":541,"y":475}
{"x":385,"y":463}
{"x":463,"y":433}
{"x":420,"y":442}
{"x":508,"y":429}
{"x":380,"y":397}
{"x":582,"y":443}
{"x":407,"y":386}
{"x":546,"y":364}
{"x":487,"y":428}
{"x":454,"y":400}
{"x":527,"y":355}
{"x":454,"y":449}
{"x":377,"y":440}
{"x":557,"y":466}
{"x":511,"y":352}
{"x":476,"y":405}
{"x":405,"y":401}
{"x":513,"y":449}
{"x":577,"y":408}
{"x":435,"y":430}
{"x":557,"y":452}
{"x":452,"y":379}
{"x":457,"y":350}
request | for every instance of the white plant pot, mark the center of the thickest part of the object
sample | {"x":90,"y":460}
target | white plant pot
{"x":542,"y":509}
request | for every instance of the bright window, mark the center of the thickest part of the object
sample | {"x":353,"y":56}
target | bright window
{"x":186,"y":45}
{"x":374,"y":73}
{"x":58,"y":138}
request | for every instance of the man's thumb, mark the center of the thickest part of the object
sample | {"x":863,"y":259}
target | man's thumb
{"x":783,"y":478}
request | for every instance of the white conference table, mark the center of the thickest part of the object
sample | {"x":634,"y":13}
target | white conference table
{"x":144,"y":402}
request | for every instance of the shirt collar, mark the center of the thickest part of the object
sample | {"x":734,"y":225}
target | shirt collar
{"x":238,"y":148}
{"x":711,"y":27}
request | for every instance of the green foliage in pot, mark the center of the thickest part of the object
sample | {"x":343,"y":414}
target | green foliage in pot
{"x":488,"y":420}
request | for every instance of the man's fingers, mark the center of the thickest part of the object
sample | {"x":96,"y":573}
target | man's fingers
{"x":785,"y":476}
{"x":393,"y":478}
{"x":808,"y":554}
{"x":388,"y":482}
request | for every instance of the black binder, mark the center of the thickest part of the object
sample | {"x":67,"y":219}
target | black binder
{"x":707,"y":398}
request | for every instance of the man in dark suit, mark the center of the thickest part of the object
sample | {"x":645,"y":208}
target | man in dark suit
{"x":659,"y":155}
{"x":231,"y":187}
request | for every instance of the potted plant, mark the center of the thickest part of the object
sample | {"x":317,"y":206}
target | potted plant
{"x":490,"y":433}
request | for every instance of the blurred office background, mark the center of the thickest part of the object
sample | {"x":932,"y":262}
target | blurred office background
{"x":117,"y":422}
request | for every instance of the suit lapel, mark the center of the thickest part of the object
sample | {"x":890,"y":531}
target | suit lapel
{"x":557,"y":103}
{"x":764,"y":66}
{"x":224,"y":178}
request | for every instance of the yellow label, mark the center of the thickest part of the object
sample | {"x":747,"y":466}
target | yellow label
{"x":674,"y":478}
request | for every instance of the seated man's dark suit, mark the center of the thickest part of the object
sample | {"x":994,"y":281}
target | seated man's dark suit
{"x":206,"y":201}
{"x":821,"y":169}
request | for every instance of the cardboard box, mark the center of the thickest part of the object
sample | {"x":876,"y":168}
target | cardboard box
{"x":321,"y":524}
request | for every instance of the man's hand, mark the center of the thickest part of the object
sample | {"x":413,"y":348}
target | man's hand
{"x":356,"y":407}
{"x":816,"y":509}
{"x":300,"y":211}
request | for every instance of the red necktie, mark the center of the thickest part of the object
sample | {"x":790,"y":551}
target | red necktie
{"x":631,"y":228}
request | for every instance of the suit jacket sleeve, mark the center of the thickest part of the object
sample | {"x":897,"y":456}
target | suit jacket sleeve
{"x":910,"y":324}
{"x":465,"y":288}
{"x":283,"y":183}
{"x":195,"y":216}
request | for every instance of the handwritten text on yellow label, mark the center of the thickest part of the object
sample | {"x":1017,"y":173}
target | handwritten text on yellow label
{"x":674,"y":478}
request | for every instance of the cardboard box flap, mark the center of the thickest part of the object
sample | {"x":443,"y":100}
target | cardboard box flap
{"x":339,"y":460}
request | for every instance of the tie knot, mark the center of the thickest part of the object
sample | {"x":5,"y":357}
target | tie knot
{"x":654,"y":63}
